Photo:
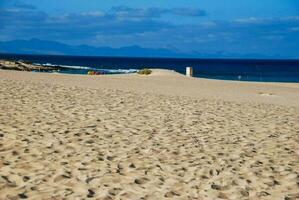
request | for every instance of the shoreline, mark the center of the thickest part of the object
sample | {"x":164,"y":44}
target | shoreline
{"x":249,"y":71}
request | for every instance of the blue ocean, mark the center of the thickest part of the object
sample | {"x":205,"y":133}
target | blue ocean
{"x":225,"y":69}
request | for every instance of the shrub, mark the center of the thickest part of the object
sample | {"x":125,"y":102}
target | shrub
{"x":144,"y":71}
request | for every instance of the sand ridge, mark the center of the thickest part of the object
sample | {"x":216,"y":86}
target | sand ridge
{"x":172,"y":83}
{"x":78,"y":142}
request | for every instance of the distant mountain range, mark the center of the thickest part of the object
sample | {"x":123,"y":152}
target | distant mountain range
{"x":36,"y":46}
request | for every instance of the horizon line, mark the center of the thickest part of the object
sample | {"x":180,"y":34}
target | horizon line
{"x":149,"y":57}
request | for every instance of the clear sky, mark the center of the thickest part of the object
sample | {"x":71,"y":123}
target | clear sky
{"x":266,"y":27}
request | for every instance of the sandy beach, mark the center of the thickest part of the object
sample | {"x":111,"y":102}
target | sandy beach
{"x":162,"y":136}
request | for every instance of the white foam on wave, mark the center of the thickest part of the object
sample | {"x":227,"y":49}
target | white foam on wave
{"x":77,"y":67}
{"x":122,"y":71}
{"x":66,"y":66}
{"x":46,"y":64}
{"x":111,"y":71}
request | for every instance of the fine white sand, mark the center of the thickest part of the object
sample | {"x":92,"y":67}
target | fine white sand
{"x":162,"y":136}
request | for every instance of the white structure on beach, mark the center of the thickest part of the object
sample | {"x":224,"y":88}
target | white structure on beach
{"x":189,"y":71}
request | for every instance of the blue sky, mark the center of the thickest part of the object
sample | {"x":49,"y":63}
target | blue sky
{"x":265,"y":27}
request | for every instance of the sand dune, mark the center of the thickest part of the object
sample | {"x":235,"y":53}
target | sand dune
{"x":167,"y":82}
{"x":163,"y":136}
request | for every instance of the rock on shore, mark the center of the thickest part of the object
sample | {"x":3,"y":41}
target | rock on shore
{"x":25,"y":66}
